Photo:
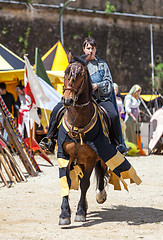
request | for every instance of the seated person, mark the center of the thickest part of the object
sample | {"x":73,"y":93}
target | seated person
{"x":9,"y":100}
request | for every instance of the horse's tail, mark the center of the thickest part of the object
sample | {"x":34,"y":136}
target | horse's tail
{"x":101,"y":173}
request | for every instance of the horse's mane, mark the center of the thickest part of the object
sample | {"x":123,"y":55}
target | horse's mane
{"x":81,"y":60}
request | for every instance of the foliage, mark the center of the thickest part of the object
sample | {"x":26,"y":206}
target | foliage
{"x":4,"y":31}
{"x":109,"y":8}
{"x":159,"y":78}
{"x":89,"y":33}
{"x":75,"y":36}
{"x":25,"y":40}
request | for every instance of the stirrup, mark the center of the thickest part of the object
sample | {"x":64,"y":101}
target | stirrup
{"x":48,"y":144}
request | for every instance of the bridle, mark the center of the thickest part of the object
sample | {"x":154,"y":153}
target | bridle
{"x":77,"y":91}
{"x":71,"y":77}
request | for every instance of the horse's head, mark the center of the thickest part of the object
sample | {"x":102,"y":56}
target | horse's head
{"x":75,"y":82}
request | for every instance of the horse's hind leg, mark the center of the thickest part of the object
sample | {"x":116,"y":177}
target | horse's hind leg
{"x":100,"y":171}
{"x":82,"y":205}
{"x":65,"y":216}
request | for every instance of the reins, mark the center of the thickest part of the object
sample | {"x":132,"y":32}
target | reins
{"x":74,"y":132}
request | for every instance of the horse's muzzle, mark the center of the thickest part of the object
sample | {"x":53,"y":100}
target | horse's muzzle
{"x":67,"y":102}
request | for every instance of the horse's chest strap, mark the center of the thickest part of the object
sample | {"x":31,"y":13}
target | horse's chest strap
{"x":79,"y":133}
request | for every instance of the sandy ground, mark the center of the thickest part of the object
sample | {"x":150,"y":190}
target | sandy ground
{"x":31,"y":210}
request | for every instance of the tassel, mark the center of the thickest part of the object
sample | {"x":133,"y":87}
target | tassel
{"x":81,"y":140}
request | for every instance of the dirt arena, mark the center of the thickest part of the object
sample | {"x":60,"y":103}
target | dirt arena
{"x":30,"y":211}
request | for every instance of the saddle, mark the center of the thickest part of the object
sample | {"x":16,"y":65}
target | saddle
{"x":105,"y":119}
{"x":56,"y":123}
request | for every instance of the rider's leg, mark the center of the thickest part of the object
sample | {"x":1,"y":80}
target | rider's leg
{"x":115,"y":129}
{"x":48,"y":142}
{"x":114,"y":133}
{"x":52,"y":121}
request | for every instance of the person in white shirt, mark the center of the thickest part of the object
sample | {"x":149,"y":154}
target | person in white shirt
{"x":23,"y":119}
{"x":132,"y":118}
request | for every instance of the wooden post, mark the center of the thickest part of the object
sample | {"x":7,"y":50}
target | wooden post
{"x":3,"y":178}
{"x":20,"y":150}
{"x":9,"y":165}
{"x":7,"y":170}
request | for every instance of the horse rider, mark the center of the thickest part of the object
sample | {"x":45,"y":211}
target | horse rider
{"x":103,"y":93}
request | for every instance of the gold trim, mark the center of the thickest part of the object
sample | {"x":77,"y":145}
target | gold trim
{"x":114,"y":180}
{"x":74,"y":180}
{"x":115,"y":161}
{"x":131,"y":173}
{"x":62,"y":162}
{"x":80,"y":129}
{"x":102,"y":124}
{"x":124,"y":183}
{"x":64,"y":186}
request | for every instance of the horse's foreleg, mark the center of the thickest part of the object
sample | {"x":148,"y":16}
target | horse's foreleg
{"x":100,"y":170}
{"x":65,"y":216}
{"x":83,"y":205}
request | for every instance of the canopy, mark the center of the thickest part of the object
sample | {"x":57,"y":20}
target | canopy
{"x":11,"y":69}
{"x":55,"y":62}
{"x":147,"y":97}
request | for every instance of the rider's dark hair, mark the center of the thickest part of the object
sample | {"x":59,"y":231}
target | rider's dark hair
{"x":89,"y":40}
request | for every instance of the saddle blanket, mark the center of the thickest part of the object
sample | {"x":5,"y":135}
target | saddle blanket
{"x":119,"y":166}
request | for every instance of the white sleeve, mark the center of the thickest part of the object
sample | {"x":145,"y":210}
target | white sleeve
{"x":128,"y":105}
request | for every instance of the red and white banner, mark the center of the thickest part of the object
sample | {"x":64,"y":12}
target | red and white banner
{"x":30,"y":100}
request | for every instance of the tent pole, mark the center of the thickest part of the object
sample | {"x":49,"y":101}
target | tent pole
{"x":152,"y":62}
{"x":145,"y":106}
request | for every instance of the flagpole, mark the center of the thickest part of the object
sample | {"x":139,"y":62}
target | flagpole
{"x":34,"y":130}
{"x":30,"y":136}
{"x":46,"y":116}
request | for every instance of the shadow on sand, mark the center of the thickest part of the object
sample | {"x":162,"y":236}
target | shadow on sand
{"x":131,"y":215}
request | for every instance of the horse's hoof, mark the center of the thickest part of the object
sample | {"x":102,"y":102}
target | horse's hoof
{"x":80,"y":218}
{"x":101,"y":196}
{"x":64,"y":221}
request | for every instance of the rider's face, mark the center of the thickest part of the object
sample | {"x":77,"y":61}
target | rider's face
{"x":90,"y":50}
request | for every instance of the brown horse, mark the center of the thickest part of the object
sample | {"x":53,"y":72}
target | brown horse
{"x":79,"y":117}
{"x":81,"y":139}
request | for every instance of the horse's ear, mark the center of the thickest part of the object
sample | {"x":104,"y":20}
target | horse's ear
{"x":69,"y":56}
